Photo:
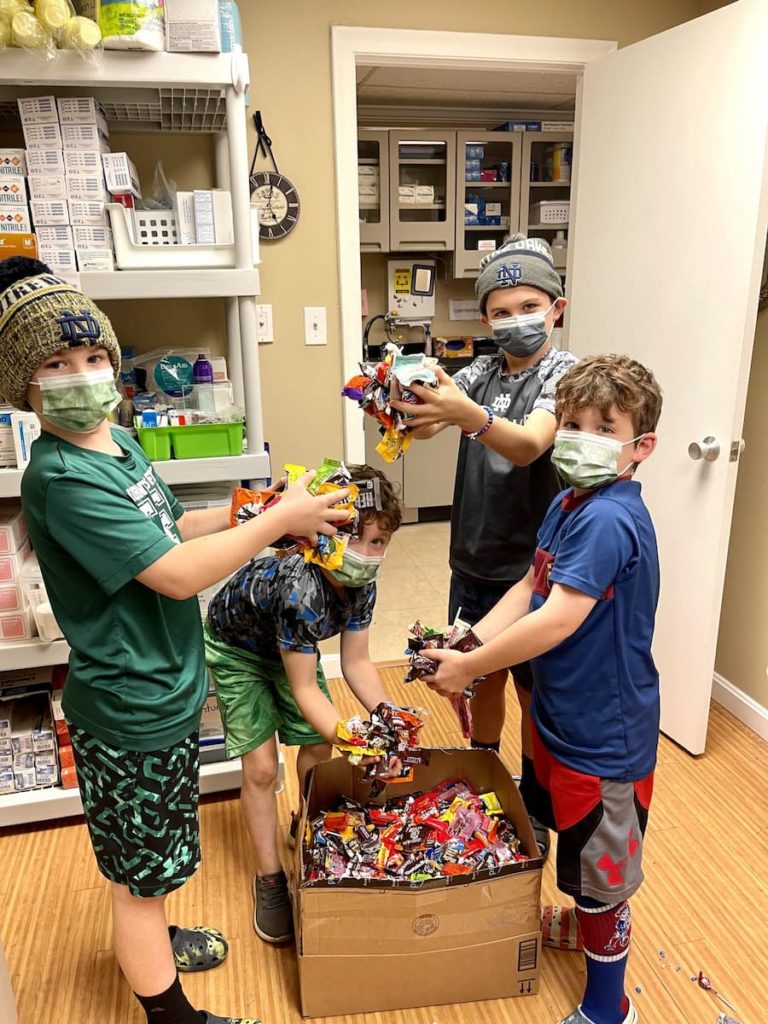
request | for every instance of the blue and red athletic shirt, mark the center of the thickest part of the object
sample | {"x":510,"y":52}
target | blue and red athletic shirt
{"x":596,"y":695}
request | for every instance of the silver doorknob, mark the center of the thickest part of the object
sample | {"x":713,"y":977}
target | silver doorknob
{"x":708,"y":449}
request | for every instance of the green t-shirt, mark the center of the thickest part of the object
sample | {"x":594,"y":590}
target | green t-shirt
{"x":137,"y":675}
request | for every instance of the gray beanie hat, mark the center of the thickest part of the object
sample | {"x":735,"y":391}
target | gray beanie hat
{"x":519,"y":260}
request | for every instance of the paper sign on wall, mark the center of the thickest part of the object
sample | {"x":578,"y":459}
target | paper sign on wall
{"x":463,"y":309}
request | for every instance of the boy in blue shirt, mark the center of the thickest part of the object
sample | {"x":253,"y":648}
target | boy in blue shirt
{"x":584,"y":615}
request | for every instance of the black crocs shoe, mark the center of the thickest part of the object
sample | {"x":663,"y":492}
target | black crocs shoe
{"x":211,"y":1018}
{"x":197,"y":949}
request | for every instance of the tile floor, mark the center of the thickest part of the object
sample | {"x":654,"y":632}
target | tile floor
{"x":413,"y":583}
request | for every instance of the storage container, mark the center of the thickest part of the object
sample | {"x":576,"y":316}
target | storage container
{"x":160,"y":252}
{"x":551,"y":212}
{"x":198,"y":441}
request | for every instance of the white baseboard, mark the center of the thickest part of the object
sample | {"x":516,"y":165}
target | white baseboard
{"x":331,"y":664}
{"x":741,"y":705}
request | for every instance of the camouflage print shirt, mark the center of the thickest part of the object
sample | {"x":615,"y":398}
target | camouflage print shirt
{"x":288,"y":603}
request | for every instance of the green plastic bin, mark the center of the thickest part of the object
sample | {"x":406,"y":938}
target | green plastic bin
{"x":201,"y":441}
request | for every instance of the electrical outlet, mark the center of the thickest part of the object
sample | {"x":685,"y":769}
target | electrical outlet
{"x":315,"y":332}
{"x":264,"y":323}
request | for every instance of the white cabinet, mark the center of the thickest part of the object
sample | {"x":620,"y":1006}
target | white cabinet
{"x":147,"y":92}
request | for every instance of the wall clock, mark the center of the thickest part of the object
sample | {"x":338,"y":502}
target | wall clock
{"x":272,"y":193}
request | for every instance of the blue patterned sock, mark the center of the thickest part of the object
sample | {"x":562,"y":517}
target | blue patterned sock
{"x":605,"y":932}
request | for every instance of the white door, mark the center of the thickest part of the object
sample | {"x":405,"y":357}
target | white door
{"x":667,"y":245}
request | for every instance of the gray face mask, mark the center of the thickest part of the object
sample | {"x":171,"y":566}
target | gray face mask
{"x":522,"y":336}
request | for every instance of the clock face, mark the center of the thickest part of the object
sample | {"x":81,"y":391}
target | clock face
{"x":277,"y":201}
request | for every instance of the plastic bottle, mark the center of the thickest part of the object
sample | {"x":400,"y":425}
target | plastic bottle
{"x":559,"y":248}
{"x":546,"y":170}
{"x":202,"y":371}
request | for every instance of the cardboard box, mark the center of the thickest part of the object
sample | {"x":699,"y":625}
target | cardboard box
{"x":42,"y":136}
{"x":80,"y":110}
{"x":13,"y":191}
{"x":87,"y":212}
{"x":450,"y":941}
{"x":11,"y":565}
{"x":12,"y":162}
{"x":61,"y":261}
{"x":185,"y":218}
{"x":83,"y":161}
{"x":54,"y":236}
{"x":13,"y":529}
{"x":120,"y":173}
{"x":15,"y":220}
{"x":17,"y":625}
{"x":38,"y":110}
{"x":49,"y":212}
{"x":47,"y":186}
{"x":192,"y":26}
{"x":7,"y":452}
{"x":95,"y":260}
{"x":21,"y":243}
{"x":86,"y":136}
{"x":213,"y":217}
{"x":86,"y":187}
{"x":11,"y":598}
{"x":92,"y":238}
{"x":45,"y":161}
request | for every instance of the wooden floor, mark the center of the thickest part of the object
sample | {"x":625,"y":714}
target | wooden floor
{"x":704,"y":904}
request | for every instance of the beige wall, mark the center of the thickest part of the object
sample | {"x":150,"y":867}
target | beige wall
{"x":742,"y":650}
{"x":289,"y":51}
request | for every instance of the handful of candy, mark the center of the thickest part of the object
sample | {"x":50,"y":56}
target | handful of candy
{"x":460,"y":637}
{"x":378,"y":384}
{"x":331,"y":476}
{"x":391,"y":732}
{"x":448,"y":830}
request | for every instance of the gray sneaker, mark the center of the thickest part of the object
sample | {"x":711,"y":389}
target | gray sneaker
{"x":272,"y":915}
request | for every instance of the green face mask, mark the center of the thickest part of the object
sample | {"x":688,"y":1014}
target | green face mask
{"x":357,"y":570}
{"x":79,"y":401}
{"x":587,"y":460}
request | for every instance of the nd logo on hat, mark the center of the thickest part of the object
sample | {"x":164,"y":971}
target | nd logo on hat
{"x":509,"y":273}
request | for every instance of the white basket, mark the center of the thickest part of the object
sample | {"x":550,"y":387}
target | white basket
{"x":156,"y":253}
{"x":154,"y":227}
{"x":552,"y":212}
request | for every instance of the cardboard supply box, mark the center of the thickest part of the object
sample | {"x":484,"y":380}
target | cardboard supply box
{"x":120,"y":174}
{"x":22,"y":243}
{"x":45,"y":161}
{"x":13,"y":162}
{"x":80,"y":110}
{"x":38,"y":110}
{"x":449,"y":941}
{"x":13,"y":529}
{"x":192,"y":26}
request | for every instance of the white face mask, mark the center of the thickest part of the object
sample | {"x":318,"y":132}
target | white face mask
{"x":524,"y":335}
{"x":588,"y":460}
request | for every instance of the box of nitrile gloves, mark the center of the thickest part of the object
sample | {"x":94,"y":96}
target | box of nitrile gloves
{"x":378,"y":944}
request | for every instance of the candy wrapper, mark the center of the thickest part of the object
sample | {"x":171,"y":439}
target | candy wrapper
{"x":331,"y":476}
{"x":391,"y":732}
{"x":378,"y":384}
{"x":460,"y":637}
{"x":447,"y":831}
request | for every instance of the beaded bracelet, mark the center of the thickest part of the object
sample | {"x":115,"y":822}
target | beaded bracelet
{"x":473,"y":435}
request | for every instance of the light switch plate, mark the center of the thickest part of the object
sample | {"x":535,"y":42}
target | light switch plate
{"x":264,"y":331}
{"x":315,"y":331}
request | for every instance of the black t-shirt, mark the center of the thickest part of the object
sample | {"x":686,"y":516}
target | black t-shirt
{"x":497,"y":506}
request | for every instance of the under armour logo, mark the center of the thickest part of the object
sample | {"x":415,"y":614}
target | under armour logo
{"x":509,"y":273}
{"x":79,"y":328}
{"x":614,"y":869}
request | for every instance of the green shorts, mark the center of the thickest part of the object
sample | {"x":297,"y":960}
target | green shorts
{"x":255,"y":698}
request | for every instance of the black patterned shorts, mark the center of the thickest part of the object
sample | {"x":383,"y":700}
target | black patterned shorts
{"x":141,"y":811}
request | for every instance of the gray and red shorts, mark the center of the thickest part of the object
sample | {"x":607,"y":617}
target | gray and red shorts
{"x":600,"y":825}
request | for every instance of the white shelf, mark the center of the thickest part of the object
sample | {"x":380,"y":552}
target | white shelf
{"x":488,"y":184}
{"x":46,"y":804}
{"x":177,"y":471}
{"x":549,"y":184}
{"x":170,"y":284}
{"x":33,"y":653}
{"x":130,"y":68}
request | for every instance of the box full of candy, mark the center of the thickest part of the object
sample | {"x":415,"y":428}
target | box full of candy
{"x":428,"y":894}
{"x":378,"y":384}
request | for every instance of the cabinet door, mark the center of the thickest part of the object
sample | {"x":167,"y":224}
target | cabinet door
{"x":546,"y":190}
{"x":373,"y":190}
{"x":422,"y":189}
{"x":488,"y":166}
{"x":429,"y":470}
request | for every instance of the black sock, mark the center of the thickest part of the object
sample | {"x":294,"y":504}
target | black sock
{"x":479,"y":745}
{"x":170,"y":1007}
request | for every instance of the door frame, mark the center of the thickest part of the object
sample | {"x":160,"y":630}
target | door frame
{"x":415,"y":48}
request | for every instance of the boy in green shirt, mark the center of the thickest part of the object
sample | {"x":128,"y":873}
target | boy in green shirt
{"x":122,"y":563}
